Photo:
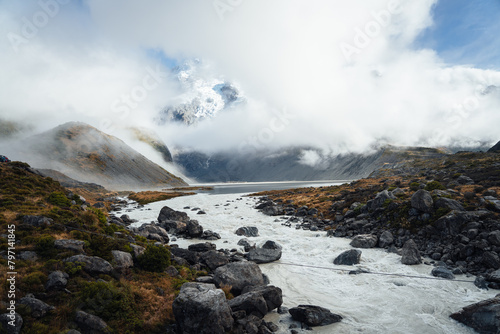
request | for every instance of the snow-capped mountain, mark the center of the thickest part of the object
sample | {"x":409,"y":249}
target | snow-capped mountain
{"x":204,"y":95}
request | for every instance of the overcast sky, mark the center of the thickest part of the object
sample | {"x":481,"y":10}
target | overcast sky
{"x":339,"y":75}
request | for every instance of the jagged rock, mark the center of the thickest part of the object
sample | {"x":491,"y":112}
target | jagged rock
{"x":380,"y":199}
{"x":269,"y":252}
{"x":214,"y":259}
{"x":37,"y":221}
{"x":481,"y":283}
{"x":186,"y":254}
{"x":137,"y":250}
{"x":348,"y":258}
{"x":410,"y":254}
{"x":248,"y":231}
{"x":238,"y":275}
{"x":28,"y":256}
{"x":246,"y":244}
{"x":452,"y":223}
{"x":172,"y":271}
{"x":122,"y":260}
{"x":92,"y":264}
{"x":202,"y":247}
{"x":442,"y":272}
{"x":153,"y":232}
{"x":167,"y":213}
{"x":386,"y":239}
{"x":494,"y":238}
{"x":37,"y":308}
{"x":272,"y":294}
{"x":422,"y":201}
{"x":70,"y":244}
{"x":484,"y":316}
{"x":364,"y":241}
{"x":194,"y":229}
{"x":9,"y":329}
{"x":314,"y":315}
{"x":252,"y":303}
{"x":494,"y":276}
{"x":449,"y":204}
{"x":210,"y":235}
{"x":491,"y":260}
{"x":202,"y":309}
{"x":57,"y":280}
{"x":90,"y":323}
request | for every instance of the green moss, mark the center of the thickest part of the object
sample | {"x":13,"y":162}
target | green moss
{"x":154,"y":258}
{"x":434,"y":185}
{"x":414,"y":186}
{"x":58,"y":198}
{"x":34,"y":282}
{"x":45,"y":246}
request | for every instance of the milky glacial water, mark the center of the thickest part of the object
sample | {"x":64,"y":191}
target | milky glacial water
{"x":368,"y":303}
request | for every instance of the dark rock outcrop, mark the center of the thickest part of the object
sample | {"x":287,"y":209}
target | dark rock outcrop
{"x":70,"y":244}
{"x":37,"y":308}
{"x":90,"y":323}
{"x":410,"y":254}
{"x":422,"y":201}
{"x":348,"y":258}
{"x":8,"y":328}
{"x":239,"y":275}
{"x":442,"y":272}
{"x":248,"y":231}
{"x":484,"y":316}
{"x":314,"y":315}
{"x":364,"y":241}
{"x":92,"y":264}
{"x":57,"y":280}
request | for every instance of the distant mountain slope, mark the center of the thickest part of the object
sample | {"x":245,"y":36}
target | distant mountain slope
{"x":292,"y":164}
{"x":495,"y":148}
{"x":84,"y":153}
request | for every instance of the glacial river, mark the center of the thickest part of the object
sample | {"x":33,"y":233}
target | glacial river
{"x":368,"y":303}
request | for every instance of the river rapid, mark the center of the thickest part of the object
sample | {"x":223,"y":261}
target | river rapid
{"x":368,"y":303}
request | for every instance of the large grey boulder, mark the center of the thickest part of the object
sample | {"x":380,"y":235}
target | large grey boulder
{"x":137,"y":250}
{"x":186,"y":254}
{"x":364,"y":241}
{"x":380,"y":199}
{"x":269,"y":252}
{"x":448,"y":203}
{"x":90,"y":323}
{"x":248,"y":231}
{"x":202,"y":247}
{"x":442,"y":272}
{"x":92,"y":264}
{"x":252,"y":303}
{"x":484,"y":316}
{"x":122,"y":260}
{"x":37,"y":221}
{"x":410,"y":254}
{"x":348,"y":258}
{"x":14,"y":319}
{"x":422,"y":201}
{"x":214,"y":259}
{"x":194,"y":229}
{"x":37,"y":308}
{"x":452,"y":223}
{"x":238,"y":275}
{"x":386,"y":239}
{"x":272,"y":295}
{"x":70,"y":244}
{"x":153,"y":232}
{"x":314,"y":315}
{"x":167,"y":213}
{"x":494,"y":238}
{"x":57,"y":280}
{"x":202,"y":309}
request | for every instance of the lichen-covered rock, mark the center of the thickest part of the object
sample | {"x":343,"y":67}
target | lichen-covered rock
{"x":37,"y":308}
{"x":122,"y":260}
{"x":57,"y":280}
{"x":92,"y":264}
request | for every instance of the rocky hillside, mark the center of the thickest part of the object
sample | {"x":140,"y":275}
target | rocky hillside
{"x":84,"y":153}
{"x":292,"y":164}
{"x":495,"y":148}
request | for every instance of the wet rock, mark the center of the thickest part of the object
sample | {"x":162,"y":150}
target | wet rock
{"x":348,"y":257}
{"x":238,"y":275}
{"x":248,"y":231}
{"x":247,"y":244}
{"x":364,"y":241}
{"x":269,"y":252}
{"x":167,"y":214}
{"x":410,"y":254}
{"x":252,"y":303}
{"x":494,"y":276}
{"x":202,"y":247}
{"x":8,"y":328}
{"x":90,"y":323}
{"x":57,"y":280}
{"x":314,"y":315}
{"x":122,"y":260}
{"x":37,"y":308}
{"x":210,"y":235}
{"x":481,"y":283}
{"x":442,"y":272}
{"x":202,"y":309}
{"x":386,"y":239}
{"x":422,"y":201}
{"x":484,"y":316}
{"x":92,"y":264}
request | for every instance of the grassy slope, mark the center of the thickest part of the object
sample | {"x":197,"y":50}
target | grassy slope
{"x":135,"y":302}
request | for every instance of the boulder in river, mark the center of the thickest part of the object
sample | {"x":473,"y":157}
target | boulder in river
{"x":314,"y":315}
{"x":348,"y":258}
{"x":386,"y":239}
{"x":202,"y":309}
{"x":410,"y":254}
{"x":269,"y":252}
{"x":239,"y":275}
{"x":248,"y":231}
{"x":442,"y":272}
{"x":484,"y":316}
{"x":167,"y":213}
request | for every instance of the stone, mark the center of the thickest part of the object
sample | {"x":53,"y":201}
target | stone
{"x":481,"y":283}
{"x":364,"y":241}
{"x":348,"y":258}
{"x":263,"y":255}
{"x":442,"y":272}
{"x":202,"y":247}
{"x":410,"y":254}
{"x":137,"y":250}
{"x":494,"y":276}
{"x":422,"y":201}
{"x":452,"y":223}
{"x":37,"y":221}
{"x":248,"y":231}
{"x":70,"y":244}
{"x":386,"y":239}
{"x":57,"y":280}
{"x":172,"y":271}
{"x":398,"y":192}
{"x":152,"y":232}
{"x":122,"y":260}
{"x":167,"y":213}
{"x":272,"y":295}
{"x":484,"y":316}
{"x":9,"y":329}
{"x":214,"y":259}
{"x":92,"y":264}
{"x":464,"y":180}
{"x":28,"y":256}
{"x":269,"y":244}
{"x":189,"y":256}
{"x":252,"y":303}
{"x":494,"y":238}
{"x":37,"y":308}
{"x":238,"y":275}
{"x":447,"y":203}
{"x":380,"y":199}
{"x":314,"y":315}
{"x":202,"y":309}
{"x":90,"y":323}
{"x":247,"y":244}
{"x":194,"y":229}
{"x":491,"y":260}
